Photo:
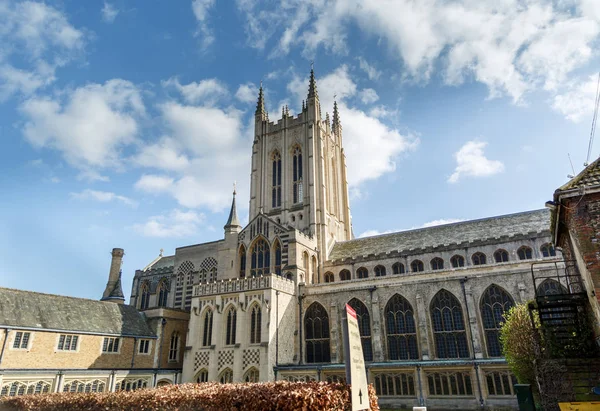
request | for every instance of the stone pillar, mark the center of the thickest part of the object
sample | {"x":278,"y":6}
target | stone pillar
{"x":335,"y":335}
{"x":421,"y":319}
{"x":522,"y":290}
{"x":473,"y":328}
{"x":376,"y":334}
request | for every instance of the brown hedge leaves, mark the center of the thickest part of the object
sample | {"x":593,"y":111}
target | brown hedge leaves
{"x":270,"y":396}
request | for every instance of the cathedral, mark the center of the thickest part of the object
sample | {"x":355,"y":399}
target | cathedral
{"x":265,"y":302}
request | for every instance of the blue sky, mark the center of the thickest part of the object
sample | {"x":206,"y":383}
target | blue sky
{"x":125,"y":123}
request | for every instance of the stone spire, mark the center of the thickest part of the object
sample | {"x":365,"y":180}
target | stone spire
{"x":336,"y":126}
{"x":114,"y":289}
{"x":312,"y":84}
{"x":260,"y":105}
{"x":233,"y":222}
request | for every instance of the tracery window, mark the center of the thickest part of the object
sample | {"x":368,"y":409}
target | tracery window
{"x":261,"y":258}
{"x":457,"y":261}
{"x":450,"y":383}
{"x":548,"y":250}
{"x":242,"y":261}
{"x":437,"y":264}
{"x":231,"y":326}
{"x":362,"y":272}
{"x":276,"y":192}
{"x":379,"y":271}
{"x":277,"y":252}
{"x":252,"y":375}
{"x":208,"y":327}
{"x":255,"y":325}
{"x":364,"y":326}
{"x":131,"y":384}
{"x":501,"y":256}
{"x":495,"y":302}
{"x":84,"y":386}
{"x":202,"y":376}
{"x":550,"y":287}
{"x":500,"y":383}
{"x":525,"y":253}
{"x":417,"y":266}
{"x":213,"y":274}
{"x":174,"y":347}
{"x":226,"y":376}
{"x":18,"y":388}
{"x":479,"y":259}
{"x":316,"y":325}
{"x":297,"y":175}
{"x":448,"y":326}
{"x":329,"y":278}
{"x":397,"y":385}
{"x":398,"y":268}
{"x":144,"y":295}
{"x":400,"y":329}
{"x":163,"y":293}
{"x":344,"y":275}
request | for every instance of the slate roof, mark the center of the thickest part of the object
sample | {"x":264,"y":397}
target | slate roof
{"x":589,"y":177}
{"x":537,"y":221}
{"x":28,"y":309}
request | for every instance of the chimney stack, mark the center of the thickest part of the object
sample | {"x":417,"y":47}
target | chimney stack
{"x":114,"y":290}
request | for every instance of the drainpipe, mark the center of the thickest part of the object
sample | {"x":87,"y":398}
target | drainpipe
{"x":462,"y":284}
{"x":301,"y":359}
{"x":6,"y":331}
{"x":277,"y":328}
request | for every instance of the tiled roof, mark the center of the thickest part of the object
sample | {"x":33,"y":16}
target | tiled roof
{"x":29,"y":309}
{"x":589,"y":177}
{"x":537,"y":221}
{"x":161,"y":262}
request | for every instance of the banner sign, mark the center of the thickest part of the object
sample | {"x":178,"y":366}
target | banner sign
{"x":356,"y":373}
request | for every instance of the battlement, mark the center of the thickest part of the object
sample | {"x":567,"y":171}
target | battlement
{"x":274,"y":281}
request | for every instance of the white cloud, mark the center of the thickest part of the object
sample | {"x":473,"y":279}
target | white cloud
{"x":163,"y":155}
{"x":109,"y":12}
{"x":207,"y":91}
{"x":472,"y":162}
{"x":92,"y":176}
{"x":577,"y":101}
{"x":370,"y":70}
{"x":103,"y":197}
{"x":368,"y":96}
{"x":201,"y":10}
{"x":154,"y":184}
{"x":371,"y":233}
{"x":88,"y":125}
{"x":176,"y":223}
{"x":441,"y":221}
{"x":247,"y":93}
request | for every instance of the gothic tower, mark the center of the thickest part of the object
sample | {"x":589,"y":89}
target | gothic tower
{"x":298,"y":173}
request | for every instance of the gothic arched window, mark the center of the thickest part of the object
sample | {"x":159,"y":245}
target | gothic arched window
{"x":174,"y":347}
{"x":548,"y":250}
{"x":261,"y":258}
{"x":316,"y":325}
{"x":525,"y":253}
{"x":255,"y":325}
{"x":400,"y":329}
{"x":457,"y":261}
{"x":364,"y":327}
{"x":479,"y":259}
{"x":417,"y":266}
{"x":362,"y":272}
{"x":277,"y":252}
{"x":398,"y":268}
{"x":252,"y":375}
{"x":242,"y":261}
{"x":550,"y":287}
{"x":344,"y":275}
{"x":213,"y":274}
{"x":379,"y":271}
{"x":208,"y":326}
{"x":501,"y":256}
{"x":437,"y":264}
{"x":314,"y":270}
{"x":230,"y":326}
{"x":202,"y":376}
{"x":448,"y":326}
{"x":163,"y":292}
{"x":329,"y":278}
{"x":144,"y":295}
{"x":276,"y":193}
{"x":495,"y":302}
{"x":297,"y":175}
{"x":226,"y":376}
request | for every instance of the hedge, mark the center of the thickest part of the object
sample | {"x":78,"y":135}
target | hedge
{"x":280,"y":396}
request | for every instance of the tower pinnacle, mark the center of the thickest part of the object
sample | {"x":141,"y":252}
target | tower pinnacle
{"x":312,"y":84}
{"x":260,"y":105}
{"x":336,"y":118}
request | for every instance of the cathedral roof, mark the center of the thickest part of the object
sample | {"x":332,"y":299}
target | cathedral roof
{"x":499,"y":227}
{"x":161,"y":262}
{"x":28,"y":309}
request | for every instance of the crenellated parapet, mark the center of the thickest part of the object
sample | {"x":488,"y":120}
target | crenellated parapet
{"x":271,"y":281}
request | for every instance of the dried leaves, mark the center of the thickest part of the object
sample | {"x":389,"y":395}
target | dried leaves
{"x":280,"y":396}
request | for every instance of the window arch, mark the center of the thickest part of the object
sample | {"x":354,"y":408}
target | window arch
{"x":398,"y":268}
{"x":255,"y":324}
{"x":400,"y":329}
{"x":297,"y":175}
{"x":174,"y":347}
{"x":163,"y":292}
{"x":457,"y":261}
{"x":345,"y":275}
{"x":289,"y":276}
{"x":277,"y":253}
{"x":329,"y":278}
{"x":208,"y":327}
{"x":314,"y":270}
{"x":213,"y":274}
{"x":548,"y":250}
{"x":550,"y":287}
{"x":261,"y":258}
{"x":242,"y":257}
{"x":362,"y":272}
{"x":495,"y":302}
{"x":379,"y":271}
{"x":230,"y":326}
{"x":479,"y":259}
{"x":202,"y":376}
{"x":252,"y":375}
{"x":437,"y":263}
{"x":525,"y":253}
{"x":448,"y":326}
{"x":316,"y":325}
{"x":417,"y":266}
{"x":364,"y":327}
{"x":501,"y":256}
{"x":226,"y":376}
{"x":144,"y":295}
{"x":276,"y":191}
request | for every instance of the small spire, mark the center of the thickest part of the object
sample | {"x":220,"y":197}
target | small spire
{"x":287,"y":110}
{"x":233,"y":220}
{"x":161,"y":252}
{"x":260,"y":105}
{"x":282,"y":111}
{"x":312,"y":83}
{"x":327,"y":118}
{"x":336,"y":118}
{"x":302,"y":105}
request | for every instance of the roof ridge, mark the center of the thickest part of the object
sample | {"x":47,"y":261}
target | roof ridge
{"x":59,"y":295}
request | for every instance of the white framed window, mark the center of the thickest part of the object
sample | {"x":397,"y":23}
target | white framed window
{"x":22,"y":339}
{"x":144,"y":347}
{"x":111,"y":345}
{"x":174,"y":347}
{"x":67,"y":342}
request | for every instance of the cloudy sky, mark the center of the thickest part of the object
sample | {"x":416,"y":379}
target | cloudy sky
{"x":125,"y":123}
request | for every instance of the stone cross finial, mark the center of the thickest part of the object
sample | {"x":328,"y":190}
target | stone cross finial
{"x":234,"y":188}
{"x":161,"y":252}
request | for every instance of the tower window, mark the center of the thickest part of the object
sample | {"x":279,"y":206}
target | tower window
{"x":297,"y":175}
{"x":276,"y":191}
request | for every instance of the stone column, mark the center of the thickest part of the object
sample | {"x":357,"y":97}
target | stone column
{"x":376,"y":334}
{"x":335,"y":335}
{"x":473,"y":328}
{"x":421,"y":319}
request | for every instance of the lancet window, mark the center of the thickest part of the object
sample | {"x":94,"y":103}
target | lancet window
{"x":400,"y":329}
{"x":297,"y":175}
{"x":276,"y":191}
{"x":261,"y":258}
{"x":208,"y":327}
{"x":230,"y":326}
{"x":494,"y":304}
{"x":316,"y":325}
{"x":163,"y":293}
{"x":145,"y":295}
{"x":255,"y":325}
{"x":277,"y":252}
{"x":448,"y":326}
{"x":364,"y":326}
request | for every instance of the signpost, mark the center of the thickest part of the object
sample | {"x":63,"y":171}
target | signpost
{"x":356,"y":373}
